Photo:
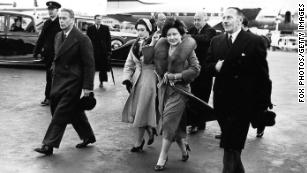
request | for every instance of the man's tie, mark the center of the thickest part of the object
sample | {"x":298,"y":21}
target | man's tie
{"x":230,"y":40}
{"x":97,"y":27}
{"x":63,"y":37}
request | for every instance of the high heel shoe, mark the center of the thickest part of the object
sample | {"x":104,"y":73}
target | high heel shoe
{"x":139,"y":148}
{"x":161,"y":167}
{"x":152,"y":136}
{"x":186,"y":156}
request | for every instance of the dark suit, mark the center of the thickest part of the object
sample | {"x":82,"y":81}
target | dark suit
{"x":101,"y":40}
{"x":202,"y":85}
{"x":240,"y":88}
{"x":46,"y":42}
{"x":73,"y":70}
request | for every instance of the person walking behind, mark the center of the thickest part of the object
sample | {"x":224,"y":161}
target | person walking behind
{"x":45,"y":42}
{"x":101,"y":40}
{"x":203,"y":33}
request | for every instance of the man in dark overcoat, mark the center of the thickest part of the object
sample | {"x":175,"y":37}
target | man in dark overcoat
{"x":73,"y":71}
{"x":238,"y":61}
{"x":101,"y":40}
{"x":45,"y":44}
{"x":203,"y":33}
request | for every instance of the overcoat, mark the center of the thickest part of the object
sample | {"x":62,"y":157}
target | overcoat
{"x":45,"y":42}
{"x":101,"y":40}
{"x":73,"y":70}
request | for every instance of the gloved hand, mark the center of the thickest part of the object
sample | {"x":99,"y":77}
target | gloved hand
{"x":128,"y":85}
{"x":172,"y":78}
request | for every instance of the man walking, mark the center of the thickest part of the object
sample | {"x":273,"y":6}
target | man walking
{"x":101,"y":40}
{"x":238,"y":61}
{"x":203,"y":33}
{"x":74,"y":71}
{"x":45,"y":42}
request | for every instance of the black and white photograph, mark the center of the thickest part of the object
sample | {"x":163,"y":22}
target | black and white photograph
{"x":141,"y":86}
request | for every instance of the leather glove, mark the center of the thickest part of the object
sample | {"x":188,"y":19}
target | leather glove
{"x":128,"y":85}
{"x":172,"y":78}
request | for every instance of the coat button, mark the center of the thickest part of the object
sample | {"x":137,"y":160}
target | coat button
{"x":236,"y":76}
{"x":66,"y":66}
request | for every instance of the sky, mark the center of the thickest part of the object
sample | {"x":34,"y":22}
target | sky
{"x":99,"y":6}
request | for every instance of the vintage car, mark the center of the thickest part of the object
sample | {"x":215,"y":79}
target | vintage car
{"x":19,"y":33}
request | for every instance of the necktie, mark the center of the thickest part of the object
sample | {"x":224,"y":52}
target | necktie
{"x":230,"y":40}
{"x":63,"y":37}
{"x":97,"y":26}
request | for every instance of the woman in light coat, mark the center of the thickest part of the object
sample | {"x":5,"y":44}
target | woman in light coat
{"x":140,"y":81}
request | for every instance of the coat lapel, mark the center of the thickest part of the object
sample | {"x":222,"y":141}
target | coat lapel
{"x":68,"y":42}
{"x":239,"y":43}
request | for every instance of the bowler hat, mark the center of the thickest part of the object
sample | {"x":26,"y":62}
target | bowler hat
{"x":88,"y":102}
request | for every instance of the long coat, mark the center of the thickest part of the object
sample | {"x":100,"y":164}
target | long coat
{"x":171,"y":102}
{"x":202,"y":85}
{"x":73,"y":70}
{"x":241,"y":86}
{"x":46,"y":40}
{"x":101,"y":40}
{"x":140,"y":107}
{"x":242,"y":81}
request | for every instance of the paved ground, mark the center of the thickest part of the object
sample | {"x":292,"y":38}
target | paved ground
{"x":283,"y":149}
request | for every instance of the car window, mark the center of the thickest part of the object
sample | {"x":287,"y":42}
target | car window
{"x":21,"y":24}
{"x":2,"y":24}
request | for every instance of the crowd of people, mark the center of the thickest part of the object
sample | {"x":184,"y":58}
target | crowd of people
{"x":165,"y":66}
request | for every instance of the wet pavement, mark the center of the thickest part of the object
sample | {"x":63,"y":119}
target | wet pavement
{"x":283,"y":149}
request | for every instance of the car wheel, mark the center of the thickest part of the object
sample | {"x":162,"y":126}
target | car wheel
{"x":116,"y":44}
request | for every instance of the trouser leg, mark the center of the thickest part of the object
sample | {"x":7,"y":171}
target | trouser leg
{"x":54,"y":134}
{"x":103,"y":76}
{"x":83,"y":127}
{"x":48,"y":82}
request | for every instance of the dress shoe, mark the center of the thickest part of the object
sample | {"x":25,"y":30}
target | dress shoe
{"x":161,"y":167}
{"x":260,"y":132}
{"x":46,"y":102}
{"x":45,"y":149}
{"x":139,"y":148}
{"x":259,"y":135}
{"x":186,"y":156}
{"x":152,"y":136}
{"x":86,"y":142}
{"x":218,"y":136}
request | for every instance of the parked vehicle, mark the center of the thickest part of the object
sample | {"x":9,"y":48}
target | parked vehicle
{"x":284,"y":42}
{"x":19,"y":33}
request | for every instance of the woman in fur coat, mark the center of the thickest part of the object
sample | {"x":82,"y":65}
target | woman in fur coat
{"x":176,"y":66}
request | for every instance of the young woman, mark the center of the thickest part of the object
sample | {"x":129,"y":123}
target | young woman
{"x":177,"y":66}
{"x":140,"y":81}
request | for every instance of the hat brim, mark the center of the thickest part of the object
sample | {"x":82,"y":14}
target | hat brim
{"x":52,"y":7}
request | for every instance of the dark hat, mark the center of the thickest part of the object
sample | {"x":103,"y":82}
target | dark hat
{"x":53,"y":5}
{"x":263,"y":118}
{"x":245,"y":22}
{"x":88,"y":102}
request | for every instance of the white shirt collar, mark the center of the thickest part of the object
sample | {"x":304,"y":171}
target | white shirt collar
{"x":235,"y":35}
{"x":53,"y":19}
{"x":67,"y":33}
